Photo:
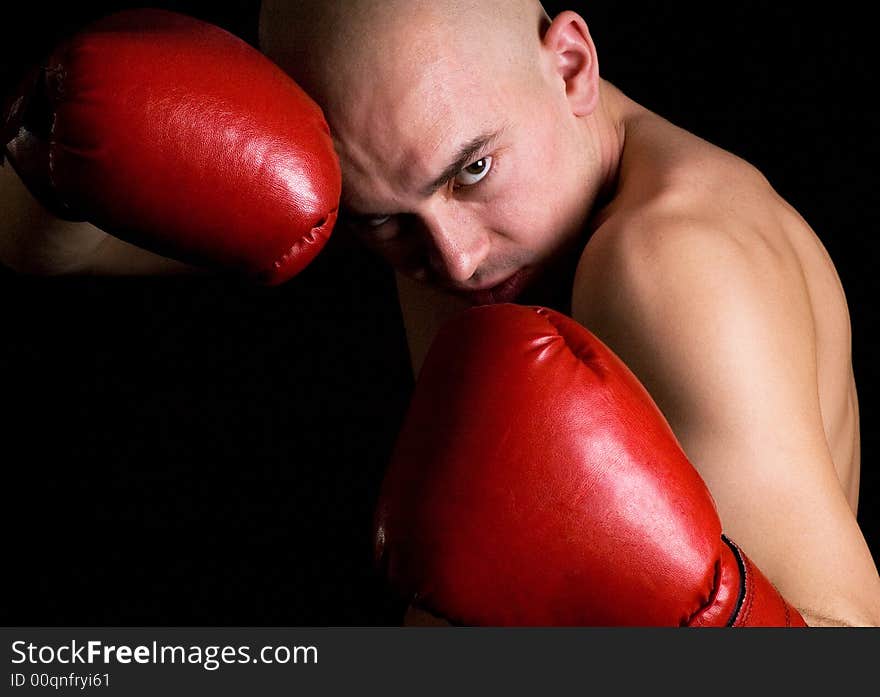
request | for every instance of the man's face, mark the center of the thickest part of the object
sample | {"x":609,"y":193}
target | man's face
{"x":459,"y":174}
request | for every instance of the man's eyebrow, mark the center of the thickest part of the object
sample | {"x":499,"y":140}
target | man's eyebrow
{"x":463,"y":158}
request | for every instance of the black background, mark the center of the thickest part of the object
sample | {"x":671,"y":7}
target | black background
{"x":203,"y":452}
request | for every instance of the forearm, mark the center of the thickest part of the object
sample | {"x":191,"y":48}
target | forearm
{"x":813,"y":620}
{"x":32,"y":240}
{"x":842,"y":615}
{"x":530,"y":453}
{"x":115,"y":143}
{"x":115,"y":257}
{"x":35,"y":242}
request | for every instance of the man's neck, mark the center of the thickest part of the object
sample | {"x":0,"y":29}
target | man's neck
{"x":607,"y":126}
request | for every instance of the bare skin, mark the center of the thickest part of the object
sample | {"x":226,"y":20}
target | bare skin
{"x":34,"y":242}
{"x":679,"y":255}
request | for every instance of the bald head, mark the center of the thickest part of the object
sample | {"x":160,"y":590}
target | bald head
{"x":334,"y":48}
{"x":463,"y":127}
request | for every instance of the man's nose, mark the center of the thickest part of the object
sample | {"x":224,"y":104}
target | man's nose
{"x":456,"y":245}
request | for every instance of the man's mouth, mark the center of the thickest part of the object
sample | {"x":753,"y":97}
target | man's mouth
{"x":504,"y":292}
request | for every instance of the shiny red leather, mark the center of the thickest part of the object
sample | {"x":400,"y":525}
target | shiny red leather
{"x":535,"y":482}
{"x":172,"y":133}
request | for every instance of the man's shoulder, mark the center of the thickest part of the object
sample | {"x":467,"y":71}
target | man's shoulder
{"x":686,"y":259}
{"x":672,"y":180}
{"x":682,"y":294}
{"x":666,"y":245}
{"x":684,"y":211}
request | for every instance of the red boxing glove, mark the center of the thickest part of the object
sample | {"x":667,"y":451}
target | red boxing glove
{"x":179,"y":137}
{"x":535,"y":482}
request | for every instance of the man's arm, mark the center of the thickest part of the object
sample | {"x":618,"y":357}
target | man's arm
{"x":34,"y":241}
{"x":534,"y":482}
{"x":182,"y":144}
{"x":722,"y":336}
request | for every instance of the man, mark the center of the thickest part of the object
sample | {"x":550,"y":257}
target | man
{"x":486,"y":159}
{"x":483,"y":155}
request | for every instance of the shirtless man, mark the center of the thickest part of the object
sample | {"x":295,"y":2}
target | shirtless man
{"x":486,"y":159}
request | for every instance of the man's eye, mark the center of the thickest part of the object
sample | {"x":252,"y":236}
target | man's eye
{"x":474,"y":172}
{"x":377,"y":228}
{"x":376,"y":220}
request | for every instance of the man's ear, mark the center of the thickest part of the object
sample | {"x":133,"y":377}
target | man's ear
{"x":573,"y":57}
